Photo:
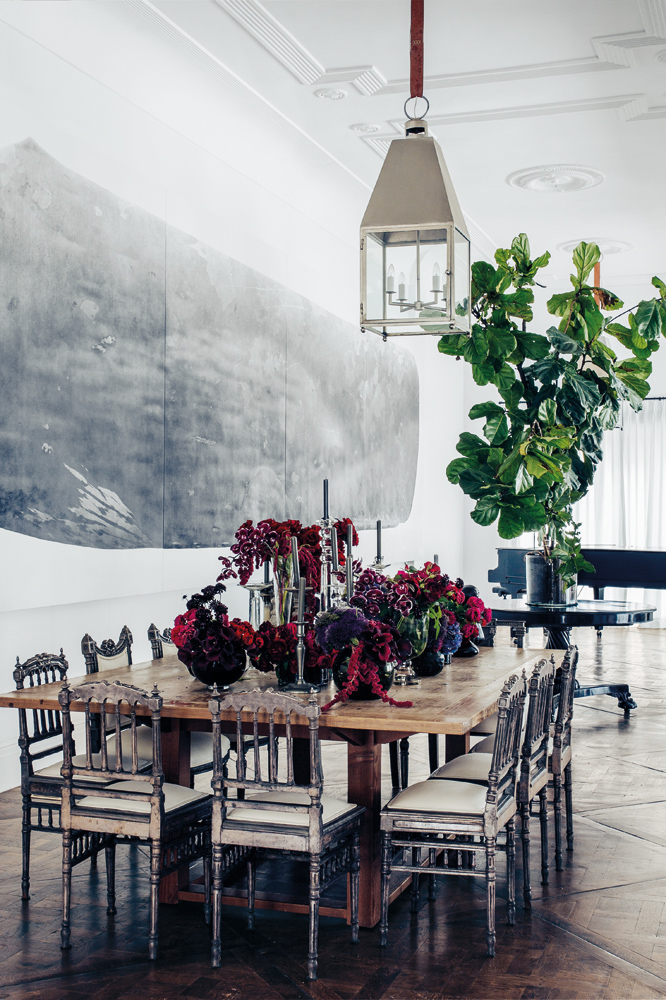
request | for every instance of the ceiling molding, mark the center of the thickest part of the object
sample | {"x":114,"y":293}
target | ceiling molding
{"x":653,"y":13}
{"x":527,"y":111}
{"x":639,"y":110}
{"x":367,"y":79}
{"x":217,"y":68}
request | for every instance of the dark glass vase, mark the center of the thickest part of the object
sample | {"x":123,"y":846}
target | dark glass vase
{"x":363,"y":692}
{"x":213,"y":672}
{"x":467,"y":648}
{"x":429,"y":663}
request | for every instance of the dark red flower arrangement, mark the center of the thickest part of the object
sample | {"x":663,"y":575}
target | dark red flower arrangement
{"x":207,"y":641}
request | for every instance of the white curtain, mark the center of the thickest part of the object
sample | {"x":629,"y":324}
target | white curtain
{"x":626,"y":507}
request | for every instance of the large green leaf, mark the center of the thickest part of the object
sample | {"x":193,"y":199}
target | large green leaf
{"x":548,"y":370}
{"x":585,"y":256}
{"x":523,"y":479}
{"x":533,"y":345}
{"x":504,"y":377}
{"x":560,"y":304}
{"x":474,"y":481}
{"x":471,"y":444}
{"x":519,"y":304}
{"x":534,"y":516}
{"x":586,"y":389}
{"x":520,"y":248}
{"x":510,"y":523}
{"x":484,"y":276}
{"x":660,"y":286}
{"x":457,"y":466}
{"x":476,"y":349}
{"x":496,"y":429}
{"x":487,"y":409}
{"x":453,"y":345}
{"x":548,"y":411}
{"x":564,"y":344}
{"x":483,"y":373}
{"x":535,"y":467}
{"x":648,"y":320}
{"x":501,"y":342}
{"x":486,"y":511}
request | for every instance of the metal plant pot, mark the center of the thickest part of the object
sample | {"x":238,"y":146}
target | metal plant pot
{"x":544,"y":585}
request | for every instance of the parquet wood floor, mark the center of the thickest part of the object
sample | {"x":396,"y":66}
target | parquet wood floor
{"x":598,"y":929}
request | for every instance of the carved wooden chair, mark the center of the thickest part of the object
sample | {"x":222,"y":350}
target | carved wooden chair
{"x":201,"y":744}
{"x":446,"y":817}
{"x":278,"y":815}
{"x":40,"y":737}
{"x":108,"y":653}
{"x":533,"y":778}
{"x":128,"y":805}
{"x":560,"y":761}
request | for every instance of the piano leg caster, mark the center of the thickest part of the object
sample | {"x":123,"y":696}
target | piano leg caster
{"x":599,"y":629}
{"x":619,"y":691}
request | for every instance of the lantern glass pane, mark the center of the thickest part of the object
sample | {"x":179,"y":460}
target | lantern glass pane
{"x":374,"y":290}
{"x":461,"y":271}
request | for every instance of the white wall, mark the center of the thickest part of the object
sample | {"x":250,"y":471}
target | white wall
{"x":122,"y":104}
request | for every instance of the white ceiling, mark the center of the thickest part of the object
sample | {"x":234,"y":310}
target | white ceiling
{"x":511,"y":85}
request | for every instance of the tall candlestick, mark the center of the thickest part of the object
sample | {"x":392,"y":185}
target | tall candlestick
{"x":301,"y":599}
{"x":379,"y":541}
{"x":325,"y":498}
{"x":335,"y":566}
{"x":295,"y":570}
{"x":435,"y":559}
{"x":350,"y":562}
{"x":267,"y":571}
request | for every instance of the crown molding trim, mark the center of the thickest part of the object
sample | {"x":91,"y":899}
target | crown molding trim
{"x":528,"y":111}
{"x":653,"y":13}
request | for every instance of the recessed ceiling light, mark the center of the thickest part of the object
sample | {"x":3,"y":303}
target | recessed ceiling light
{"x":331,"y":95}
{"x":364,"y":129}
{"x":558,"y":178}
{"x":606,"y":244}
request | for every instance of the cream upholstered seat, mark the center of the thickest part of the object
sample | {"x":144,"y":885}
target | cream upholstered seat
{"x":443,"y":817}
{"x":53,"y":770}
{"x":280,"y":814}
{"x":486,"y":726}
{"x":136,"y":806}
{"x":201,"y":748}
{"x":484,"y":746}
{"x":467,"y":767}
{"x":332,"y":809}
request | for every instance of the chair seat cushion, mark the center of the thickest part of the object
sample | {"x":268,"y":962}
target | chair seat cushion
{"x":486,"y":726}
{"x":201,"y":745}
{"x":484,"y":746}
{"x":441,"y":796}
{"x":53,"y":770}
{"x":332,"y":809}
{"x":468,"y":767}
{"x":175,"y":796}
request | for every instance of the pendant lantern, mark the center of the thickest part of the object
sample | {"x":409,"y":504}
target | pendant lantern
{"x":415,"y":249}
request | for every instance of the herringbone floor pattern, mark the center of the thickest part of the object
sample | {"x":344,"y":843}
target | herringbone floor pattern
{"x":598,"y":929}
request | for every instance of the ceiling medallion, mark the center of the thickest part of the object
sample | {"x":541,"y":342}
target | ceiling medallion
{"x":606,"y":244}
{"x":661,"y":56}
{"x":331,"y":95}
{"x":364,"y":129}
{"x":558,"y":178}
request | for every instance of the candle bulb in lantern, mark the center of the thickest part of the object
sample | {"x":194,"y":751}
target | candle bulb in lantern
{"x":379,"y":541}
{"x":435,"y":559}
{"x":335,"y":566}
{"x":301,"y":599}
{"x":326,"y":499}
{"x":401,"y":286}
{"x":295,"y":571}
{"x":350,"y":562}
{"x":436,"y":279}
{"x":390,"y":279}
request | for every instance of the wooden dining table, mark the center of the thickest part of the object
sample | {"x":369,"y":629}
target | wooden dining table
{"x":450,"y":704}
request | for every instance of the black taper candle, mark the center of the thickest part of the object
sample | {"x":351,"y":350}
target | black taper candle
{"x":379,"y":541}
{"x":326,"y":498}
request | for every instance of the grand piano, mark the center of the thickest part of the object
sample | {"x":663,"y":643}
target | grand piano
{"x":626,"y":568}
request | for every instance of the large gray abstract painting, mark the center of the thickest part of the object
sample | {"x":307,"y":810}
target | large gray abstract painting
{"x":156,"y":393}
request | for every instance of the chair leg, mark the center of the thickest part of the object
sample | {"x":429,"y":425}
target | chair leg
{"x":216,"y":944}
{"x":511,"y":869}
{"x":432,"y":879}
{"x":395,"y":767}
{"x":557,"y":818}
{"x":568,"y":801}
{"x":543,"y":817}
{"x":525,"y":837}
{"x":491,"y":935}
{"x":404,"y":762}
{"x":313,"y":947}
{"x":155,"y":859}
{"x":25,"y":843}
{"x":433,"y":751}
{"x":66,"y":887}
{"x":250,"y":892}
{"x":110,"y":851}
{"x":354,"y":884}
{"x":206,"y":868}
{"x":386,"y":877}
{"x":416,"y":878}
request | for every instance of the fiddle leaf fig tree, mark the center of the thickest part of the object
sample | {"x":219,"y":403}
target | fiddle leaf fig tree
{"x":539,"y":446}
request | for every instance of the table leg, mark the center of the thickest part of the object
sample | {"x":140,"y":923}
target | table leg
{"x":455,"y":746}
{"x":364,"y":781}
{"x":176,"y":767}
{"x":558,"y":638}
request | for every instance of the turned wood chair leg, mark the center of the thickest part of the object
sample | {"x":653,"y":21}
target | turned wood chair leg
{"x":433,"y":751}
{"x":386,"y":879}
{"x":543,"y":817}
{"x":568,"y":801}
{"x":354,"y":884}
{"x":404,"y":762}
{"x":557,"y":820}
{"x":313,"y":947}
{"x":110,"y":852}
{"x":155,"y":853}
{"x":250,"y":892}
{"x":216,"y":944}
{"x":416,"y":878}
{"x":491,"y":935}
{"x":66,"y":887}
{"x":511,"y":869}
{"x":525,"y":838}
{"x":432,"y":881}
{"x":395,"y":773}
{"x":207,"y":905}
{"x":25,"y":845}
